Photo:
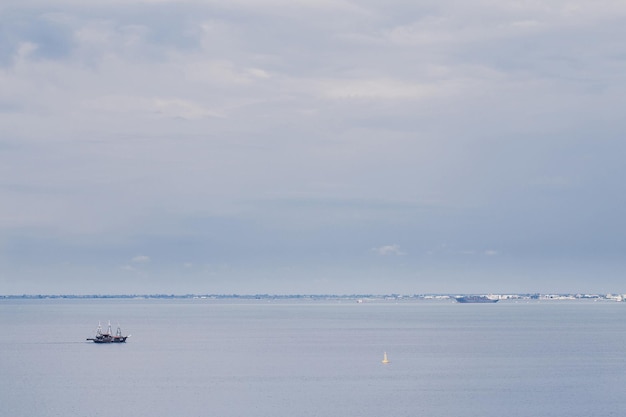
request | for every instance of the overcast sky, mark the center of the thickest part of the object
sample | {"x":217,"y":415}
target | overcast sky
{"x":312,"y":146}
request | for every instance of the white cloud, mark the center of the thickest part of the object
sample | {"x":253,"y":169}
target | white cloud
{"x":461,"y":24}
{"x":220,"y":73}
{"x":258,"y":73}
{"x":25,"y":50}
{"x":141,"y":259}
{"x":376,"y":88}
{"x":182,"y":108}
{"x":388,"y":250}
{"x":145,"y":106}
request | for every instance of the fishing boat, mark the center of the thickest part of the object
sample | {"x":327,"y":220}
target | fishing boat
{"x":108,"y":336}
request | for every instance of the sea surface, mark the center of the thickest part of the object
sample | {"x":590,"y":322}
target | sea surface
{"x":205,"y":357}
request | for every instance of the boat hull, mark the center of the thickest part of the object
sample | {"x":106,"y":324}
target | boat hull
{"x":109,"y":339}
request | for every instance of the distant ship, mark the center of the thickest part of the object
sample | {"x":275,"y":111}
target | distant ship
{"x":476,"y":299}
{"x":385,"y":360}
{"x":108,"y":337}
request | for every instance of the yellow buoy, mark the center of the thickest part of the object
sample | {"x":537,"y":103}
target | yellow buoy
{"x":385,"y":359}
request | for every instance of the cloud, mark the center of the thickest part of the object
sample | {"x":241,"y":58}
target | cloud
{"x":380,"y":88}
{"x":388,"y":250}
{"x":183,"y":109}
{"x":202,"y":122}
{"x":141,"y":259}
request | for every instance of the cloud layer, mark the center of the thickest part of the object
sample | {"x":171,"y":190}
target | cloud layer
{"x":268,"y":146}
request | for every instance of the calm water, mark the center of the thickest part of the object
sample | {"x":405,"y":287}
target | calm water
{"x":313,"y":358}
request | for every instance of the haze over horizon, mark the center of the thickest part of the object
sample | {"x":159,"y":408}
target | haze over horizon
{"x":312,"y":146}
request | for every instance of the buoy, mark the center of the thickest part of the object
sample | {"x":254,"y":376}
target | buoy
{"x":385,"y":360}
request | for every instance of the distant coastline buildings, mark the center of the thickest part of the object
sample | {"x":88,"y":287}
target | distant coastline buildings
{"x":358,"y":297}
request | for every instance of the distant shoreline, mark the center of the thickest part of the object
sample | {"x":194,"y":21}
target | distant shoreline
{"x":357,"y":297}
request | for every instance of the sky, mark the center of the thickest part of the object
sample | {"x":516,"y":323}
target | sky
{"x":312,"y":146}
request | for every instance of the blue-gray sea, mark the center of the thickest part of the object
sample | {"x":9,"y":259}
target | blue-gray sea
{"x":206,"y":357}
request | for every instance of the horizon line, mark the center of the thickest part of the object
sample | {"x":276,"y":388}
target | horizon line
{"x":300,"y":295}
